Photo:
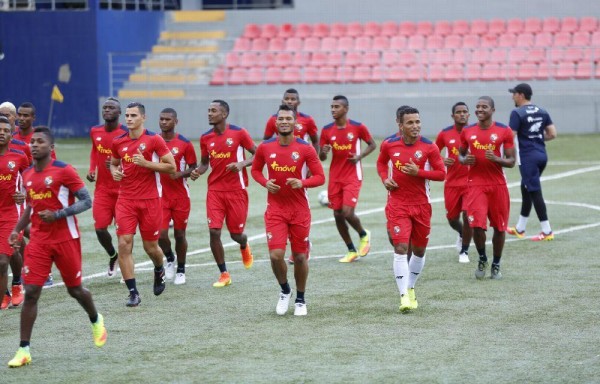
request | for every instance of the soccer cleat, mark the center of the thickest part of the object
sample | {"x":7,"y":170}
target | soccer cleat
{"x":414,"y":304}
{"x":17,"y":295}
{"x":159,"y":281}
{"x":496,"y":274}
{"x":459,"y":243}
{"x":513,"y":231}
{"x":22,"y":357}
{"x":49,"y":281}
{"x":283,"y":303}
{"x":365,"y":244}
{"x":170,"y":270}
{"x":463,"y":257}
{"x":112,"y":266}
{"x":247,"y":258}
{"x":480,"y":271}
{"x":133,"y":300}
{"x":179,"y":279}
{"x":99,"y":331}
{"x":5,"y":301}
{"x":300,"y":309}
{"x":405,"y":304}
{"x":350,"y":257}
{"x":543,"y":237}
{"x":224,"y":280}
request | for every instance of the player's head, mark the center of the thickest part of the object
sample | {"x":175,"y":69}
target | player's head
{"x":286,"y":120}
{"x":521,"y":94}
{"x":42,"y":142}
{"x":111,"y":110}
{"x":339,"y":106}
{"x":485,"y":108}
{"x":218,"y":111}
{"x":135,"y":115}
{"x":167,"y":120}
{"x":400,"y":109}
{"x":291,"y":97}
{"x":460,"y":113}
{"x":5,"y":131}
{"x":26,"y":115}
{"x":8,"y":110}
{"x":409,"y":123}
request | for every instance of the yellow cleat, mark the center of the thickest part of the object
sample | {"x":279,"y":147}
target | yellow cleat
{"x":413,"y":298}
{"x":247,"y":258}
{"x":543,"y":237}
{"x":405,"y":304}
{"x":99,"y":331}
{"x":22,"y":357}
{"x":224,"y":280}
{"x":513,"y":231}
{"x":365,"y":244}
{"x":350,"y":257}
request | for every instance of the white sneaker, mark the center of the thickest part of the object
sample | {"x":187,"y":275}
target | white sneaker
{"x":459,"y":244}
{"x":300,"y":309}
{"x":283,"y":303}
{"x":179,"y":279}
{"x":463,"y":258}
{"x":170,"y":270}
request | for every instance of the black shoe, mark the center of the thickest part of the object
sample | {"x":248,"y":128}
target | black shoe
{"x":159,"y":282}
{"x":134,"y":300}
{"x":111,"y":266}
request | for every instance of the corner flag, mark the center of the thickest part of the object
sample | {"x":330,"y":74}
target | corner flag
{"x":57,"y":95}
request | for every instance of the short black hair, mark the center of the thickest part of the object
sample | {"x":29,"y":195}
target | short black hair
{"x":114,"y":99}
{"x":285,"y":107}
{"x":489,"y":100}
{"x":407,"y":111}
{"x":291,"y":90}
{"x":171,"y":111}
{"x":44,"y":130}
{"x":4,"y":119}
{"x":223,"y":104}
{"x":343,"y":98}
{"x":139,"y":106}
{"x":400,"y":109}
{"x":28,"y":104}
{"x":458,"y":104}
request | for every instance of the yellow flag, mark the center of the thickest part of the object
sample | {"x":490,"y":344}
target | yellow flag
{"x":57,"y":95}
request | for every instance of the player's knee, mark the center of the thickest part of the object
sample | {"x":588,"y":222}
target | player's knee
{"x":4,"y":262}
{"x":214,"y":232}
{"x":179,"y":235}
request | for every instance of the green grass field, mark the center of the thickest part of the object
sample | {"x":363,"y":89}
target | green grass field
{"x":539,"y":324}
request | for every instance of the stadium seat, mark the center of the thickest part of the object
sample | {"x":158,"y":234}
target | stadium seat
{"x":377,"y":75}
{"x":434,"y":42}
{"x":498,"y":55}
{"x":470,"y":41}
{"x":372,"y":29}
{"x":320,"y":30}
{"x":362,"y":43}
{"x":396,"y":74}
{"x":293,"y":44}
{"x":416,"y":42}
{"x":496,"y":27}
{"x":574,"y":54}
{"x":241,"y":44}
{"x":510,"y":71}
{"x":517,"y":55}
{"x":284,"y":59}
{"x":254,"y":76}
{"x":424,"y":28}
{"x":274,"y":75}
{"x":335,"y":59}
{"x":488,"y":41}
{"x":269,"y":31}
{"x":592,"y":54}
{"x":286,"y":30}
{"x":473,"y":72}
{"x":301,"y":58}
{"x":565,"y":71}
{"x":460,"y":27}
{"x":232,"y":59}
{"x":353,"y":59}
{"x":415,"y":73}
{"x":319,"y":59}
{"x":407,"y":28}
{"x":479,"y":27}
{"x":266,"y":59}
{"x":407,"y":58}
{"x":536,"y":55}
{"x":551,"y":25}
{"x":514,"y":26}
{"x":588,"y":24}
{"x":303,"y":30}
{"x":344,"y":75}
{"x":381,"y":43}
{"x":344,"y":44}
{"x":569,"y":24}
{"x":312,"y":44}
{"x":562,"y":39}
{"x":584,"y":71}
{"x":389,"y":29}
{"x":595,"y":39}
{"x":292,"y":75}
{"x":329,"y":44}
{"x":249,"y":59}
{"x":276,"y":44}
{"x":337,"y":30}
{"x":398,"y":42}
{"x":354,"y":29}
{"x":442,"y":28}
{"x":581,"y":39}
{"x":310,"y":74}
{"x":461,"y":56}
{"x":361,"y":74}
{"x":390,"y":58}
{"x":507,"y":40}
{"x":259,"y":44}
{"x":435,"y":73}
{"x":326,"y":75}
{"x":251,"y":31}
{"x":492,"y":72}
{"x":543,"y":39}
{"x":526,"y":71}
{"x":454,"y":72}
{"x":453,"y":41}
{"x":439,"y":56}
{"x":218,"y":77}
{"x":532,"y":25}
{"x":371,"y":58}
{"x":543,"y":71}
{"x":237,"y":76}
{"x":480,"y":56}
{"x":525,"y":40}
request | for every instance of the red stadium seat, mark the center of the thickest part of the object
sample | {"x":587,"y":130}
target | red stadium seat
{"x":218,"y":77}
{"x":517,"y":55}
{"x":310,"y":74}
{"x":326,"y":75}
{"x":251,"y":31}
{"x":249,"y":59}
{"x":353,"y":59}
{"x":274,"y":75}
{"x":492,"y":72}
{"x":237,"y":76}
{"x":284,"y":59}
{"x":525,"y":40}
{"x":442,"y":28}
{"x":269,"y":31}
{"x":480,"y":56}
{"x":479,"y":27}
{"x":460,"y":27}
{"x":562,"y":39}
{"x":415,"y":73}
{"x":511,"y":71}
{"x":303,"y":30}
{"x":389,"y":28}
{"x":362,"y":43}
{"x":277,"y":44}
{"x":407,"y":28}
{"x":416,"y":42}
{"x":569,"y":24}
{"x":470,"y":41}
{"x":584,"y":71}
{"x":337,"y":30}
{"x":565,"y":71}
{"x":372,"y":29}
{"x":588,"y":24}
{"x":407,"y":58}
{"x":488,"y":41}
{"x":320,"y":30}
{"x":592,"y":54}
{"x":581,"y":39}
{"x":514,"y":26}
{"x":292,"y":75}
{"x":241,"y":44}
{"x":453,"y":41}
{"x":344,"y":44}
{"x":390,"y":58}
{"x":371,"y":58}
{"x":361,"y":74}
{"x":286,"y":30}
{"x":595,"y":40}
{"x":527,"y":71}
{"x":354,"y":29}
{"x":266,"y":59}
{"x":329,"y":44}
{"x":396,"y":74}
{"x":301,"y":59}
{"x":381,"y":43}
{"x":434,"y":42}
{"x":543,"y":71}
{"x":440,"y":56}
{"x":293,"y":44}
{"x":454,"y":72}
{"x":254,"y":76}
{"x":461,"y":56}
{"x":232,"y":59}
{"x":543,"y":39}
{"x":335,"y":59}
{"x":574,"y":54}
{"x":312,"y":44}
{"x":435,"y":73}
{"x":536,"y":55}
{"x":507,"y":40}
{"x":551,"y":25}
{"x":424,"y":28}
{"x":377,"y":75}
{"x":532,"y":25}
{"x":259,"y":44}
{"x":497,"y":27}
{"x":319,"y":59}
{"x":398,"y":42}
{"x":498,"y":55}
{"x":473,"y":72}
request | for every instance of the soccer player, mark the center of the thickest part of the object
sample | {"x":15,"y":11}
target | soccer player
{"x":107,"y":189}
{"x":487,"y":147}
{"x":288,"y":212}
{"x":26,"y":115}
{"x":8,"y":110}
{"x":533,"y":127}
{"x":222,"y":149}
{"x":51,"y":188}
{"x":342,"y":138}
{"x":405,"y":165}
{"x":455,"y":186}
{"x":12,"y":164}
{"x":176,"y":195}
{"x":137,"y":158}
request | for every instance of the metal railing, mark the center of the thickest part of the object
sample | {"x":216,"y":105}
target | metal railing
{"x":139,"y":5}
{"x":51,"y":5}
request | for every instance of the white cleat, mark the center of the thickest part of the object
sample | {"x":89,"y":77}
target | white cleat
{"x":283,"y":304}
{"x":459,"y":244}
{"x":463,"y":258}
{"x":170,"y":270}
{"x":300,"y":309}
{"x":179,"y":279}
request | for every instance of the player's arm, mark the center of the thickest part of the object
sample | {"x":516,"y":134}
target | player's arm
{"x":201,"y":169}
{"x":506,"y":161}
{"x":439,"y":142}
{"x":549,"y":132}
{"x":438,"y":171}
{"x":91,"y":176}
{"x":270,"y":129}
{"x":317,"y":176}
{"x":165,"y":165}
{"x":23,"y":222}
{"x":325,"y":147}
{"x":257,"y":172}
{"x":115,"y":169}
{"x":371,"y":146}
{"x":464,"y":157}
{"x":249,"y":146}
{"x":383,"y":161}
{"x":83,"y":203}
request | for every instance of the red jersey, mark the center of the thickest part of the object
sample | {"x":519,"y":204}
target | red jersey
{"x":457,"y":174}
{"x":139,"y":183}
{"x":223,"y":149}
{"x":102,"y":151}
{"x":283,"y":162}
{"x":24,"y":138}
{"x":21,"y":146}
{"x":12,"y":165}
{"x":497,"y":138}
{"x":52,"y":188}
{"x":344,"y":144}
{"x":305,"y":127}
{"x":184,"y":154}
{"x":412,"y":190}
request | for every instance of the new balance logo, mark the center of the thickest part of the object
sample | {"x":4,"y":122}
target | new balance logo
{"x":399,"y":277}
